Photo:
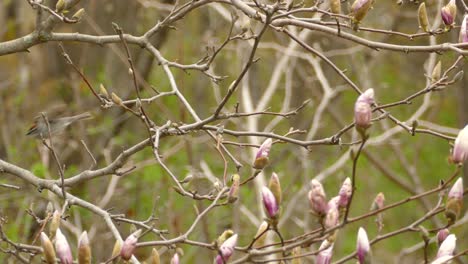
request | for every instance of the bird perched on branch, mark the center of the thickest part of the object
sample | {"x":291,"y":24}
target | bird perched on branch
{"x":39,"y":128}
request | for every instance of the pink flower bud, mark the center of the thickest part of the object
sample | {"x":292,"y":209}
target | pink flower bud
{"x":317,"y":198}
{"x":363,"y":246}
{"x":456,"y":192}
{"x":363,"y":110}
{"x":332,"y":217}
{"x":62,"y":248}
{"x":460,"y":149}
{"x":448,"y":246}
{"x":449,"y":12}
{"x":334,"y":202}
{"x":442,"y":235}
{"x":463,"y":37}
{"x":226,"y":249}
{"x":175,"y":259}
{"x":378,"y":202}
{"x":359,"y":9}
{"x":269,"y":201}
{"x":325,"y":254}
{"x":129,"y":245}
{"x":261,"y":158}
{"x":345,"y":193}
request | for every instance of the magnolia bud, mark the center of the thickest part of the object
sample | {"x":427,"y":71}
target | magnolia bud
{"x":175,"y":259}
{"x":224,"y":236}
{"x":332,"y":217}
{"x":463,"y":37}
{"x":335,"y":6}
{"x":378,"y":202}
{"x":233,"y":194}
{"x":442,"y":235}
{"x":226,"y":250}
{"x":436,"y":72}
{"x":363,"y":110}
{"x":317,"y":198}
{"x":48,"y":248}
{"x":454,"y":203}
{"x":345,"y":193}
{"x":54,"y":223}
{"x":261,"y":235}
{"x":449,"y":12}
{"x":129,"y":245}
{"x":60,"y":6}
{"x":261,"y":158}
{"x":422,"y":17}
{"x":116,"y":99}
{"x":359,"y":10}
{"x":443,"y":260}
{"x":275,"y":187}
{"x":448,"y":246}
{"x":154,"y":259}
{"x":103,"y":91}
{"x":84,"y":250}
{"x":325,"y":254}
{"x":460,"y":149}
{"x":62,"y":248}
{"x":79,"y":14}
{"x":269,"y":201}
{"x":363,"y":247}
{"x":116,"y":249}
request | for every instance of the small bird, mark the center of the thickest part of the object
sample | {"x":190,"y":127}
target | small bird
{"x":39,"y":128}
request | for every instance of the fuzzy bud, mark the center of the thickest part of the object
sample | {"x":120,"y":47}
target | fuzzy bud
{"x":463,"y":37}
{"x":436,"y":72}
{"x":261,"y":235}
{"x":422,"y":17}
{"x":270,"y":203}
{"x":116,"y":249}
{"x":84,"y":250}
{"x":378,"y":202}
{"x":332,"y":217}
{"x":116,"y":99}
{"x":233,"y":194}
{"x":62,"y":248}
{"x":325,"y":254}
{"x":261,"y":158}
{"x":363,"y":247}
{"x":226,"y":250}
{"x":154,"y":259}
{"x":48,"y":248}
{"x":449,"y":12}
{"x":129,"y":245}
{"x":60,"y":6}
{"x":359,"y":10}
{"x":454,"y":203}
{"x":448,"y":246}
{"x":317,"y":198}
{"x":345,"y":193}
{"x":363,"y":110}
{"x":460,"y":149}
{"x":442,"y":260}
{"x":224,"y":236}
{"x":103,"y":91}
{"x":79,"y":14}
{"x":54,"y":223}
{"x":275,"y":187}
{"x":335,"y":6}
{"x":442,"y":235}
